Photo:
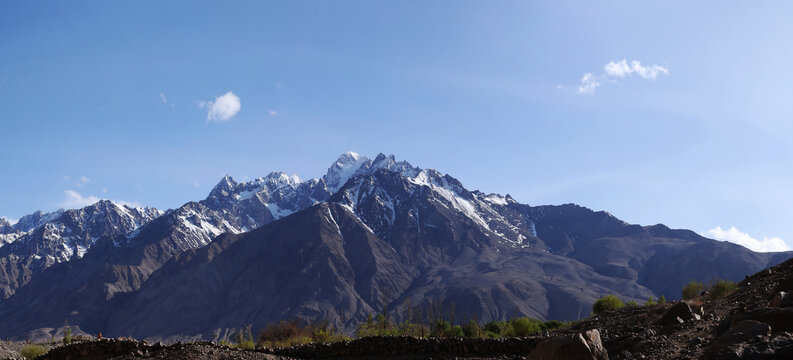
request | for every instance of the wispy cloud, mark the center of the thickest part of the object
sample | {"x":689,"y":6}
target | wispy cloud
{"x":272,"y":112}
{"x":736,"y":236}
{"x":622,"y":69}
{"x":223,"y":108}
{"x":82,"y":181}
{"x":619,"y":70}
{"x":163,"y":98}
{"x":588,"y":84}
{"x":75,"y":200}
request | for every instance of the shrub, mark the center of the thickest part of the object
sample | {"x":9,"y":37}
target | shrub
{"x":662,"y":299}
{"x":631,"y":304}
{"x":32,"y":351}
{"x":692,"y":289}
{"x":442,"y":329}
{"x":457,"y":331}
{"x":608,"y":302}
{"x":472,"y":329}
{"x":554,"y":324}
{"x":721,"y":288}
{"x":650,"y":301}
{"x":497,"y":327}
{"x":279,"y":332}
{"x":525,"y":326}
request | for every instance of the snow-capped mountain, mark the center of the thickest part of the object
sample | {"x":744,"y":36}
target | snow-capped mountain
{"x":65,"y":235}
{"x":330,"y":249}
{"x":36,"y":219}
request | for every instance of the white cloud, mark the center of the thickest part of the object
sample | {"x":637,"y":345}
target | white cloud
{"x":223,"y":108}
{"x":82,"y":181}
{"x":74,"y":200}
{"x":104,"y":190}
{"x":622,"y":69}
{"x":619,"y":70}
{"x":272,"y":112}
{"x":163,"y":98}
{"x":588,"y":84}
{"x":195,"y":183}
{"x":736,"y":236}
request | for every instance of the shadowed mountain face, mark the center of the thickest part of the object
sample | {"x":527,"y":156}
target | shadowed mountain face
{"x":369,"y":233}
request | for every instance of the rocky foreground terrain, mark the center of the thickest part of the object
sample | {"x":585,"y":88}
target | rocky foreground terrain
{"x":754,"y":322}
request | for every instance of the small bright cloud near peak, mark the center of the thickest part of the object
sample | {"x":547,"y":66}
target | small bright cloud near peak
{"x":223,"y":108}
{"x":736,"y":236}
{"x":75,"y":200}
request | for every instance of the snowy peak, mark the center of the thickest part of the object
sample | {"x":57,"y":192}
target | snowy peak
{"x":36,"y":219}
{"x":389,"y":162}
{"x":343,"y":169}
{"x":224,"y":187}
{"x":5,"y":226}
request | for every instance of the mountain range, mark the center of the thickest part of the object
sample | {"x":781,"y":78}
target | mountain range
{"x":369,"y":234}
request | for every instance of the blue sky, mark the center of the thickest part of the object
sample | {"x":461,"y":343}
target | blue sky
{"x":152,"y":102}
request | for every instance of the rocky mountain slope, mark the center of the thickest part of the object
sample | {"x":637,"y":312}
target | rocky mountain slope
{"x":42,"y":240}
{"x":369,"y":233}
{"x":753,"y":322}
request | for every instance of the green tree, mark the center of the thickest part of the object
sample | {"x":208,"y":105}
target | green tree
{"x":457,"y":331}
{"x":662,"y":299}
{"x":67,"y":333}
{"x":692,"y":289}
{"x":650,"y":301}
{"x":472,"y":329}
{"x":608,"y":302}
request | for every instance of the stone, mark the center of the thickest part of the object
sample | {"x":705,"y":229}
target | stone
{"x":647,"y":333}
{"x":781,"y":299}
{"x":744,"y":331}
{"x":579,"y":346}
{"x":779,"y":319}
{"x":680,"y":311}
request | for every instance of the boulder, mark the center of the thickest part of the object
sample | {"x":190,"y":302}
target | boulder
{"x":680,"y":311}
{"x":743,"y":331}
{"x":779,"y":319}
{"x":781,"y":299}
{"x":579,"y":346}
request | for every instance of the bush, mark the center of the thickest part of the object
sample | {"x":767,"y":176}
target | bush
{"x":650,"y":301}
{"x":457,"y":332}
{"x":32,"y":351}
{"x":442,"y":329}
{"x":279,"y":332}
{"x":525,"y":326}
{"x":608,"y":302}
{"x":721,"y":288}
{"x":692,"y":289}
{"x":662,"y":299}
{"x":554,"y":324}
{"x":498,"y":327}
{"x":472,"y":329}
{"x":632,"y":303}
